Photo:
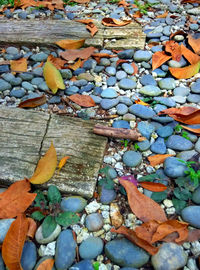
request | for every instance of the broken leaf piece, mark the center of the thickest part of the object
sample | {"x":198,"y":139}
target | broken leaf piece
{"x":19,"y":65}
{"x":157,"y":159}
{"x":16,"y":199}
{"x":155,"y":187}
{"x":185,"y":72}
{"x":53,"y":77}
{"x":33,"y":102}
{"x":56,"y":61}
{"x":47,"y":264}
{"x":159,"y":58}
{"x":189,"y":55}
{"x":194,"y":130}
{"x":194,"y":43}
{"x":62,"y":162}
{"x":174,"y":49}
{"x":72,"y":55}
{"x":114,"y":22}
{"x":70,"y":44}
{"x":45,"y":167}
{"x":82,"y":100}
{"x":14,"y":241}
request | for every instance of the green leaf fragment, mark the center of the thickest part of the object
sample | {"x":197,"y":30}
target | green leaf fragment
{"x":53,"y":194}
{"x":40,"y":200}
{"x":179,"y":204}
{"x":159,"y":196}
{"x":96,"y":265}
{"x":48,"y":226}
{"x":67,"y":218}
{"x":37,"y":215}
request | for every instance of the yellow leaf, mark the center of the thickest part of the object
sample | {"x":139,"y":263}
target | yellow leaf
{"x":62,"y":162}
{"x":53,"y":77}
{"x":45,"y":167}
{"x":19,"y":65}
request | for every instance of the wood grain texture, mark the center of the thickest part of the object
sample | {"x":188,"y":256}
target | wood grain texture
{"x":25,"y":137}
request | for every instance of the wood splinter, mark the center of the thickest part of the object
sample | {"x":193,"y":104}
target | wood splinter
{"x":120,"y":133}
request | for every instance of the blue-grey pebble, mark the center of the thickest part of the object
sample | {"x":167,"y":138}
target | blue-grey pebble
{"x":177,"y":142}
{"x":128,"y":68}
{"x":121,"y":75}
{"x":193,"y":98}
{"x":112,"y":173}
{"x":132,"y":158}
{"x":109,"y":93}
{"x":4,"y":227}
{"x":43,"y":86}
{"x":99,"y":69}
{"x":2,"y":265}
{"x":4,"y":85}
{"x":196,"y":195}
{"x":126,"y":54}
{"x":194,"y":26}
{"x":124,"y":253}
{"x":150,"y":90}
{"x":37,"y":81}
{"x":96,"y":99}
{"x":160,"y":73}
{"x":18,"y":93}
{"x":195,"y":87}
{"x":54,"y":100}
{"x":159,"y":107}
{"x":79,"y":71}
{"x":29,"y":256}
{"x":39,"y":57}
{"x":91,"y":248}
{"x":121,"y":109}
{"x":109,"y":103}
{"x":162,"y":119}
{"x":38,"y":71}
{"x":148,"y":79}
{"x":141,"y":111}
{"x":26,"y":76}
{"x":111,"y":70}
{"x":146,"y":129}
{"x":167,"y":83}
{"x":66,"y":73}
{"x":86,"y":88}
{"x":94,"y":222}
{"x":82,"y":265}
{"x":126,"y":84}
{"x":8,"y":76}
{"x":4,"y":69}
{"x":174,"y":168}
{"x":12,"y":50}
{"x":191,"y":215}
{"x":81,"y":82}
{"x":16,"y":81}
{"x":144,"y":145}
{"x":181,"y":91}
{"x":89,"y":64}
{"x":169,"y":102}
{"x":162,"y":260}
{"x":141,"y":55}
{"x":65,"y":250}
{"x":159,"y":146}
{"x":165,"y":131}
{"x":71,"y":90}
{"x":73,"y":203}
{"x":111,"y":81}
{"x":121,"y":124}
{"x":128,"y":268}
{"x":104,"y":62}
{"x":28,"y":86}
{"x":125,"y":100}
{"x":107,"y":195}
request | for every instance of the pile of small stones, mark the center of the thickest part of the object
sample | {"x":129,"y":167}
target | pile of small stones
{"x":114,"y":89}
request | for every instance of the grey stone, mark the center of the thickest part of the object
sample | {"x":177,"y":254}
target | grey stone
{"x":174,"y":168}
{"x":146,"y":129}
{"x":167,"y":83}
{"x":179,"y":143}
{"x":197,"y":146}
{"x":132,"y":158}
{"x":121,"y":109}
{"x":193,"y":98}
{"x":150,"y":90}
{"x":191,"y":214}
{"x":4,"y":85}
{"x":41,"y":240}
{"x":196,"y":196}
{"x":141,"y":111}
{"x":169,"y":102}
{"x":165,"y":131}
{"x":159,"y":146}
{"x":127,"y":84}
{"x":141,"y":55}
{"x":4,"y":227}
{"x":94,"y":222}
{"x":39,"y":57}
{"x":73,"y":203}
{"x":109,"y":103}
{"x":91,"y":248}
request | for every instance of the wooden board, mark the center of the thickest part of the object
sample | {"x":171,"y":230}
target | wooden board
{"x":26,"y":136}
{"x":46,"y":32}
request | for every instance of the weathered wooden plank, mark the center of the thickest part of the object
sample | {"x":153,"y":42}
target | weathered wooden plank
{"x":46,"y":32}
{"x":26,"y":136}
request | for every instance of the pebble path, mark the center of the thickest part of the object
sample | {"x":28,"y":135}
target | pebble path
{"x":114,"y":90}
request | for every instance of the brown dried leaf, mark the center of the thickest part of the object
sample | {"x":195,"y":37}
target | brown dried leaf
{"x":56,"y":61}
{"x":164,"y":15}
{"x":92,"y":28}
{"x":142,"y":206}
{"x":114,"y":22}
{"x":139,"y":101}
{"x":123,"y":3}
{"x":82,"y":100}
{"x":194,"y":43}
{"x":81,"y":1}
{"x":155,"y":187}
{"x":31,"y":228}
{"x":16,"y":199}
{"x":70,"y":44}
{"x":174,"y":48}
{"x":157,"y":159}
{"x":194,"y":130}
{"x":159,"y":58}
{"x":76,"y":65}
{"x":185,"y":72}
{"x":147,"y":230}
{"x":19,"y":65}
{"x":189,"y":55}
{"x":46,"y":264}
{"x":74,"y":54}
{"x":33,"y":102}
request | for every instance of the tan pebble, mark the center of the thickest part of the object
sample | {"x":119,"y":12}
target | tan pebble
{"x":115,"y":215}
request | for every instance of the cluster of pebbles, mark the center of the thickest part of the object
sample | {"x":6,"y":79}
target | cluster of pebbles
{"x":115,"y":89}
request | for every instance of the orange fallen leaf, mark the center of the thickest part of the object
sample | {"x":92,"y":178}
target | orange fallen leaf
{"x":157,"y":159}
{"x":114,"y":22}
{"x":185,"y":72}
{"x":194,"y":43}
{"x":76,"y":65}
{"x":194,"y":130}
{"x":135,"y":68}
{"x":120,"y":61}
{"x":101,"y":55}
{"x":92,"y":28}
{"x":155,"y":187}
{"x":19,"y":65}
{"x":84,"y":21}
{"x":179,"y":32}
{"x":46,"y":167}
{"x":132,"y":236}
{"x":187,"y":115}
{"x":62,"y":162}
{"x":56,"y":61}
{"x":32,"y":227}
{"x":174,"y":49}
{"x":46,"y":264}
{"x":70,"y":44}
{"x":164,"y":15}
{"x":11,"y":203}
{"x":13,"y":243}
{"x":189,"y":55}
{"x":146,"y":230}
{"x":33,"y":102}
{"x":72,"y":55}
{"x":137,"y":14}
{"x":159,"y":58}
{"x":139,"y":101}
{"x":82,"y":100}
{"x":142,"y":206}
{"x":54,"y":4}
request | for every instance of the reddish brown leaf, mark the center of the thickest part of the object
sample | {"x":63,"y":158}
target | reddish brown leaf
{"x":142,"y":206}
{"x":155,"y":187}
{"x":56,"y":61}
{"x":46,"y":264}
{"x":14,"y":242}
{"x":174,"y":48}
{"x":74,"y":54}
{"x":158,"y":59}
{"x":186,"y":115}
{"x":164,"y":15}
{"x":132,"y":236}
{"x":76,"y":65}
{"x":82,"y":100}
{"x":189,"y":55}
{"x":194,"y":130}
{"x":135,"y":68}
{"x":32,"y":227}
{"x":137,"y":14}
{"x":114,"y":22}
{"x":147,"y":230}
{"x":92,"y":28}
{"x":190,"y":1}
{"x":19,"y":65}
{"x":11,"y":202}
{"x":70,"y":44}
{"x":157,"y":159}
{"x":185,"y":72}
{"x":33,"y":102}
{"x":101,"y":55}
{"x":120,"y":61}
{"x":194,"y":43}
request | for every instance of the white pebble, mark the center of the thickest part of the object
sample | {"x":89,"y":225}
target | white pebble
{"x":92,"y":207}
{"x":119,"y":166}
{"x":83,"y":235}
{"x":195,"y":249}
{"x":168,"y":203}
{"x":48,"y":250}
{"x":107,"y":227}
{"x":191,"y":264}
{"x":98,"y":233}
{"x":105,"y":214}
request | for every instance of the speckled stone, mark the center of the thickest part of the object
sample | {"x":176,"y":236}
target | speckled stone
{"x":94,"y":222}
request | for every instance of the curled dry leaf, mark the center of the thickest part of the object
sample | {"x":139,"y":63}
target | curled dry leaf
{"x":185,"y":72}
{"x":157,"y":159}
{"x":13,"y":243}
{"x":92,"y":28}
{"x":45,"y":167}
{"x":114,"y":22}
{"x":11,"y":202}
{"x":72,"y":55}
{"x":32,"y":227}
{"x":194,"y":130}
{"x":147,"y":230}
{"x":194,"y":43}
{"x":53,"y":77}
{"x":186,"y":115}
{"x":155,"y":187}
{"x":56,"y":61}
{"x":132,"y":236}
{"x":46,"y":264}
{"x":142,"y":206}
{"x":33,"y":102}
{"x":19,"y":65}
{"x":62,"y":162}
{"x":159,"y":58}
{"x":76,"y":65}
{"x":174,"y":49}
{"x":70,"y":44}
{"x":82,"y":100}
{"x":189,"y":55}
